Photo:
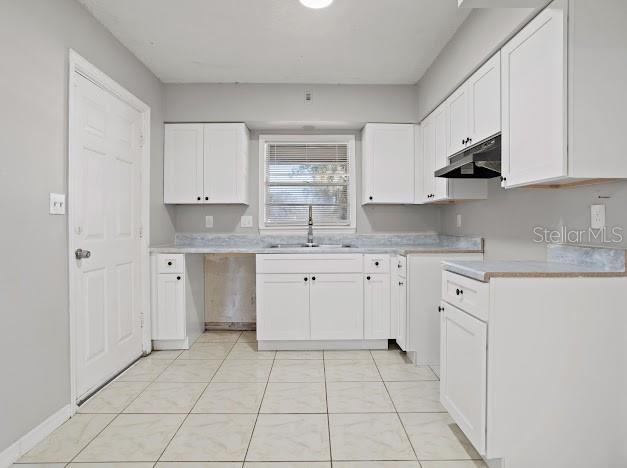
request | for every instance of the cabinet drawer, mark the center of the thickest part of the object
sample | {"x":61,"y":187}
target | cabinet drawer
{"x":174,"y":263}
{"x":469,"y":295}
{"x":310,"y":263}
{"x":376,"y":263}
{"x":399,"y":264}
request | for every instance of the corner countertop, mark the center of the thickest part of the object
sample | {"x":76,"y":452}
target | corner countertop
{"x":395,"y":244}
{"x":562,"y":261}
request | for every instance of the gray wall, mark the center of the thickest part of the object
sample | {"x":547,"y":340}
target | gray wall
{"x":278,"y":107}
{"x":34,"y":344}
{"x":483,"y":32}
{"x":507,"y":218}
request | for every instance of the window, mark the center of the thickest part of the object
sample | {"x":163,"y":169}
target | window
{"x":298,"y":171}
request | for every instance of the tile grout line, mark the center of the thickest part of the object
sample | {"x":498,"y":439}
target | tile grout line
{"x":252,"y":433}
{"x":326,"y":398}
{"x":191,"y":409}
{"x":398,"y":416}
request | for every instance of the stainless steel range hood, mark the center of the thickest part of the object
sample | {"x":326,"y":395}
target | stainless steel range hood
{"x":481,"y":161}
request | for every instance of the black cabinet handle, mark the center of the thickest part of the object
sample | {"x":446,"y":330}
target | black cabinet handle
{"x":178,"y":277}
{"x":457,"y":292}
{"x":368,"y":278}
{"x":376,"y":263}
{"x":370,"y":198}
{"x":169,"y":263}
{"x":206,"y":198}
{"x":306,"y":279}
{"x":400,"y":283}
{"x":440,"y":309}
{"x":313,"y":278}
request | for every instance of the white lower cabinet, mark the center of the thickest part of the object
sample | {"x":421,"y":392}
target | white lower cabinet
{"x":463,"y":372}
{"x":398,"y":302}
{"x":177,"y":306}
{"x":336,"y":305}
{"x":169,"y":321}
{"x":283,"y":307}
{"x":348,"y":301}
{"x":376,"y":310}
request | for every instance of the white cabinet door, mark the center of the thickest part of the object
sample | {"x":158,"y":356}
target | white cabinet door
{"x":377,"y":306}
{"x":183,"y":163}
{"x":457,"y":114}
{"x":225,"y":163}
{"x":428,"y":158}
{"x":337,"y":306}
{"x":463,"y":372}
{"x":400,"y":290}
{"x":388,"y":171}
{"x":440,"y":185}
{"x":283,"y":307}
{"x":533,"y":72}
{"x":170,"y":318}
{"x":484,"y":101}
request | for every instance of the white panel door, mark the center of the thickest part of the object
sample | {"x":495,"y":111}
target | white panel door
{"x":389,"y":163}
{"x":169,"y":321}
{"x":337,"y":306}
{"x":283,"y":307}
{"x":484,"y":100}
{"x":183,"y":164}
{"x":533,"y":72}
{"x":225,"y":156}
{"x":457,"y":113}
{"x":463,"y":372}
{"x":377,"y":307}
{"x":106,"y":174}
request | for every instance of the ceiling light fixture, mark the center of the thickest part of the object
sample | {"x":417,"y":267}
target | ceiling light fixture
{"x":317,"y":4}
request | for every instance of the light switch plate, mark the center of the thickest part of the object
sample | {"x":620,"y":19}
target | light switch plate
{"x":208,"y":221}
{"x":246,"y":221}
{"x":57,"y":203}
{"x":597,"y":216}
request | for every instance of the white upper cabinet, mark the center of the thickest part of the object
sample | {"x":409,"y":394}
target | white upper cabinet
{"x":474,"y":109}
{"x":388,"y":163}
{"x":206,"y":163}
{"x":563,"y":81}
{"x":484,"y":101}
{"x":534,"y":101}
{"x":434,"y":130}
{"x":226,"y":163}
{"x":183,"y":163}
{"x":457,"y":115}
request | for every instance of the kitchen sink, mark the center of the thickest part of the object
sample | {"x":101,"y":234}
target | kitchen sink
{"x":311,"y":246}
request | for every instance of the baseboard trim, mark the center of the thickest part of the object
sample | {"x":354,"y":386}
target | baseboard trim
{"x":287,"y":345}
{"x":14,"y":451}
{"x":168,"y":345}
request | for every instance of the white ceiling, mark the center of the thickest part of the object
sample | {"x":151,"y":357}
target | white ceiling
{"x":280,"y":41}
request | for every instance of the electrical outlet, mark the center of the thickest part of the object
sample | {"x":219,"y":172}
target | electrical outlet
{"x":597,"y":216}
{"x":208,"y":221}
{"x":246,"y":221}
{"x":57,"y":203}
{"x":459,"y":221}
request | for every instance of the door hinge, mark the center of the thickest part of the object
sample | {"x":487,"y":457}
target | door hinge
{"x":141,"y":232}
{"x":141,"y":320}
{"x":141,"y":141}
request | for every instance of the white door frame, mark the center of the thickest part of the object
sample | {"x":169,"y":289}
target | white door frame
{"x":79,"y":66}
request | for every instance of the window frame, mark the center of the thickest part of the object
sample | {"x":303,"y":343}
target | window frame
{"x":349,"y":140}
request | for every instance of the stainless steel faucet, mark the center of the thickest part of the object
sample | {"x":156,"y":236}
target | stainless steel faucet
{"x":310,"y":237}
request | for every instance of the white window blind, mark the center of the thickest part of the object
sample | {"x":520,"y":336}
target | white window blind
{"x":301,"y":174}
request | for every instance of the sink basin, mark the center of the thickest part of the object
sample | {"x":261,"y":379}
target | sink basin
{"x":311,"y":246}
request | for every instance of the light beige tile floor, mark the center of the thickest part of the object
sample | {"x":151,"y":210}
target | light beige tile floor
{"x":223,"y":404}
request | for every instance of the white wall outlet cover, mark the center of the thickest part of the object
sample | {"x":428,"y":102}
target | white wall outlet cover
{"x":208,"y":221}
{"x":246,"y":221}
{"x":597,"y":216}
{"x":57,"y":203}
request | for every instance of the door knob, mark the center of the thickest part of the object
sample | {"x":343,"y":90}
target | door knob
{"x":80,"y":254}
